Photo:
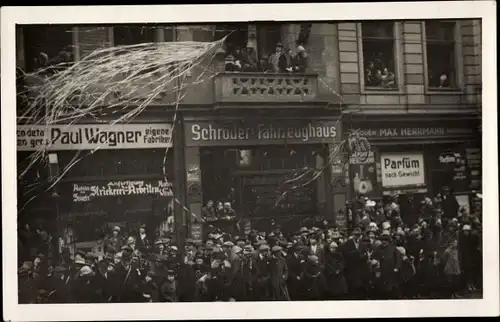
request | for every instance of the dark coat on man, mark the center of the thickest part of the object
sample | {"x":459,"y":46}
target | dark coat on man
{"x":314,"y":286}
{"x":279,"y":275}
{"x":334,"y":274}
{"x":296,"y":268}
{"x":356,"y":271}
{"x":128,"y":278}
{"x":390,"y":264}
{"x":261,"y":278}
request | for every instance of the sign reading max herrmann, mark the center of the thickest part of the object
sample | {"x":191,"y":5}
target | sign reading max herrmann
{"x":280,"y":131}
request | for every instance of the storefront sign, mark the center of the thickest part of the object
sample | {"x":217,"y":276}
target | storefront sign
{"x":93,"y":136}
{"x":402,"y":169}
{"x":280,"y":131}
{"x":429,"y":130}
{"x":84,"y":192}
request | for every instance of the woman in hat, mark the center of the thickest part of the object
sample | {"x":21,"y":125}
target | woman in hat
{"x":278,"y":275}
{"x":334,"y":272}
{"x":116,"y":241}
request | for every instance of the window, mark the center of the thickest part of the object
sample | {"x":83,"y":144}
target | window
{"x":440,"y":38}
{"x":378,"y":54}
{"x":47,"y":45}
{"x":133,"y":34}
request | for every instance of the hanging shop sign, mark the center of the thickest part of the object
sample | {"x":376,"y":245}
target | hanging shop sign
{"x":474,"y":164}
{"x":86,"y":192}
{"x":455,"y":163}
{"x":364,"y":174}
{"x":402,"y":169}
{"x":93,"y":136}
{"x":278,"y":132}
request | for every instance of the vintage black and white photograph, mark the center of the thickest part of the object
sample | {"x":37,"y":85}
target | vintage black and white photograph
{"x":249,"y":161}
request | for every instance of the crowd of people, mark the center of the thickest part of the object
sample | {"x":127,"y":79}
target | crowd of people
{"x":378,"y":73}
{"x":381,"y":257}
{"x":283,"y":60}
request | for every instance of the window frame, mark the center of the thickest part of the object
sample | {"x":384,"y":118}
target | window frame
{"x":458,"y":87}
{"x":21,"y":47}
{"x":397,"y":57}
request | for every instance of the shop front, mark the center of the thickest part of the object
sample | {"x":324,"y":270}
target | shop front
{"x":109,"y":176}
{"x":417,"y":158}
{"x":269,"y":170}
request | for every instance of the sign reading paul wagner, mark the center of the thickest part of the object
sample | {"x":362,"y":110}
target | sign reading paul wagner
{"x":92,"y":136}
{"x":402,"y":169}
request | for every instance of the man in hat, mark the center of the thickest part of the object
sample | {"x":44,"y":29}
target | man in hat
{"x":296,"y":266}
{"x":314,"y":247}
{"x":116,"y":241}
{"x":170,"y":288}
{"x":278,"y":275}
{"x":128,"y":277}
{"x":107,"y":279}
{"x":218,"y":284}
{"x":278,"y":60}
{"x":390,"y":263}
{"x":262,"y":273}
{"x":189,"y":250}
{"x":449,"y":204}
{"x":355,"y":260}
{"x":242,"y":275}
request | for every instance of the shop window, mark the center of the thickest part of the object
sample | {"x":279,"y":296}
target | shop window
{"x":47,"y":47}
{"x":378,"y":45}
{"x":441,"y":54}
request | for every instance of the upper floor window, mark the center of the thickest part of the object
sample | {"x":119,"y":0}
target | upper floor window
{"x":441,"y":59}
{"x":126,"y":35}
{"x":378,"y":54}
{"x":47,"y":47}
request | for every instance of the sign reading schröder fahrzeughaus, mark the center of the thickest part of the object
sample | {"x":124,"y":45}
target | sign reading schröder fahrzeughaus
{"x":276,"y":132}
{"x":93,"y":136}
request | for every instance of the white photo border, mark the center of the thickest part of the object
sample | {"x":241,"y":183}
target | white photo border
{"x":488,"y":306}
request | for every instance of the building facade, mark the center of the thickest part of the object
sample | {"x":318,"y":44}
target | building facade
{"x":411,"y":88}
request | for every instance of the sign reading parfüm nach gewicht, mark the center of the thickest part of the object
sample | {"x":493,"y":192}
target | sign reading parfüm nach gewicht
{"x":402,"y":169}
{"x":276,"y":131}
{"x":92,"y":136}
